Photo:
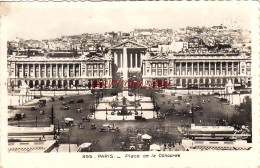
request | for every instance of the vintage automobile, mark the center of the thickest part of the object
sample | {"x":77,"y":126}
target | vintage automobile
{"x":12,"y":108}
{"x":71,"y":102}
{"x":42,"y":103}
{"x":104,"y":128}
{"x":86,"y":119}
{"x":33,"y":108}
{"x":19,"y":116}
{"x":69,"y":122}
{"x":61,"y":98}
{"x":80,"y":101}
{"x":42,"y":112}
{"x":93,"y":126}
{"x":65,"y":107}
{"x":140,"y":118}
{"x":81,"y":126}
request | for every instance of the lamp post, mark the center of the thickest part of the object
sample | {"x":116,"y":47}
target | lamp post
{"x":106,"y":113}
{"x":36,"y":121}
{"x":52,"y":115}
{"x":69,"y":139}
{"x":94,"y":110}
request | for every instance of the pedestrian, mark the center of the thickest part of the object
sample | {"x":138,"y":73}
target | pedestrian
{"x":43,"y":136}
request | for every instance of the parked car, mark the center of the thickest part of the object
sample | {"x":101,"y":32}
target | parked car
{"x":81,"y":126}
{"x":11,"y":108}
{"x":33,"y":108}
{"x":61,"y":98}
{"x":104,"y":128}
{"x":65,"y":107}
{"x":140,"y":118}
{"x":52,"y":99}
{"x":80,"y":101}
{"x":42,"y":103}
{"x":93,"y":126}
{"x":86,"y":119}
{"x":71,"y":102}
{"x":42,"y":112}
{"x":19,"y":116}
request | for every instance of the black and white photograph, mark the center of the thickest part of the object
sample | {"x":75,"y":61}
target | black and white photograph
{"x":130,"y":79}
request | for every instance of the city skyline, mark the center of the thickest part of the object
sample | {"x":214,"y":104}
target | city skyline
{"x":51,"y":23}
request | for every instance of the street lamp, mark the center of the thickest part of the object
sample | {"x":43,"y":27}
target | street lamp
{"x":69,"y":139}
{"x":106,"y":113}
{"x":36,"y":121}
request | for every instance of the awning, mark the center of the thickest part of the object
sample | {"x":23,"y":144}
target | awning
{"x":145,"y":136}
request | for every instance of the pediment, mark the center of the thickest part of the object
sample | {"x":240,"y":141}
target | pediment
{"x":129,"y":44}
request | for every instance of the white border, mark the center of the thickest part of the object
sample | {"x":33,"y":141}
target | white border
{"x":187,"y":159}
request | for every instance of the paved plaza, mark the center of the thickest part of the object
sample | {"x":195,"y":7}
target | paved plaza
{"x":161,"y":130}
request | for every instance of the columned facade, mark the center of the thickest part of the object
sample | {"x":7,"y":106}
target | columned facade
{"x":49,"y":73}
{"x":198,"y":71}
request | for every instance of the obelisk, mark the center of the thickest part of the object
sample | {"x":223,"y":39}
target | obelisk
{"x":125,"y":71}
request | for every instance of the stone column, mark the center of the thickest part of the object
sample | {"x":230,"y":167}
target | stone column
{"x":215,"y":72}
{"x":115,"y":58}
{"x":220,"y":68}
{"x":232,"y":66}
{"x":198,"y":68}
{"x":156,"y":66}
{"x":57,"y":71}
{"x":34,"y":71}
{"x":121,"y":60}
{"x":203,"y":70}
{"x":135,"y":60}
{"x":74,"y":71}
{"x":209,"y":68}
{"x":180,"y":68}
{"x":68,"y":70}
{"x":226,"y":68}
{"x":131,"y":61}
{"x":40,"y":72}
{"x":110,"y":69}
{"x":22,"y":71}
{"x":192,"y":68}
{"x":186,"y":73}
{"x":51,"y":70}
{"x":16,"y":70}
{"x":62,"y":70}
{"x":45,"y":72}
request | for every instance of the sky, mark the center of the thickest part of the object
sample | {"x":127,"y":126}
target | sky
{"x":52,"y":22}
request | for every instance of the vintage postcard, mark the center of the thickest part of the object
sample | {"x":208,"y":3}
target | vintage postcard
{"x":123,"y":84}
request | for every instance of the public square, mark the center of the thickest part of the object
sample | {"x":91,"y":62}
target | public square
{"x":161,"y":130}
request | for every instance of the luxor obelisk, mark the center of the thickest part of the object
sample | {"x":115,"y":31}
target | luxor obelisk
{"x":125,"y":72}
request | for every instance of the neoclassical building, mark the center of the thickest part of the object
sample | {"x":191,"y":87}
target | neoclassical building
{"x":198,"y":70}
{"x":58,"y":71}
{"x":183,"y":70}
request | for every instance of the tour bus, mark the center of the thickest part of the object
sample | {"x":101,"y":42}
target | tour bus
{"x":85,"y":147}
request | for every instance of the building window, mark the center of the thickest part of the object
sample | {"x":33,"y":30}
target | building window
{"x":89,"y":73}
{"x":95,"y":73}
{"x":101,"y":73}
{"x":100,"y":66}
{"x":153,"y":72}
{"x":153,"y":66}
{"x":89,"y":66}
{"x":165,"y":65}
{"x":159,"y":65}
{"x":159,"y":72}
{"x":165,"y":71}
{"x":95,"y":66}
